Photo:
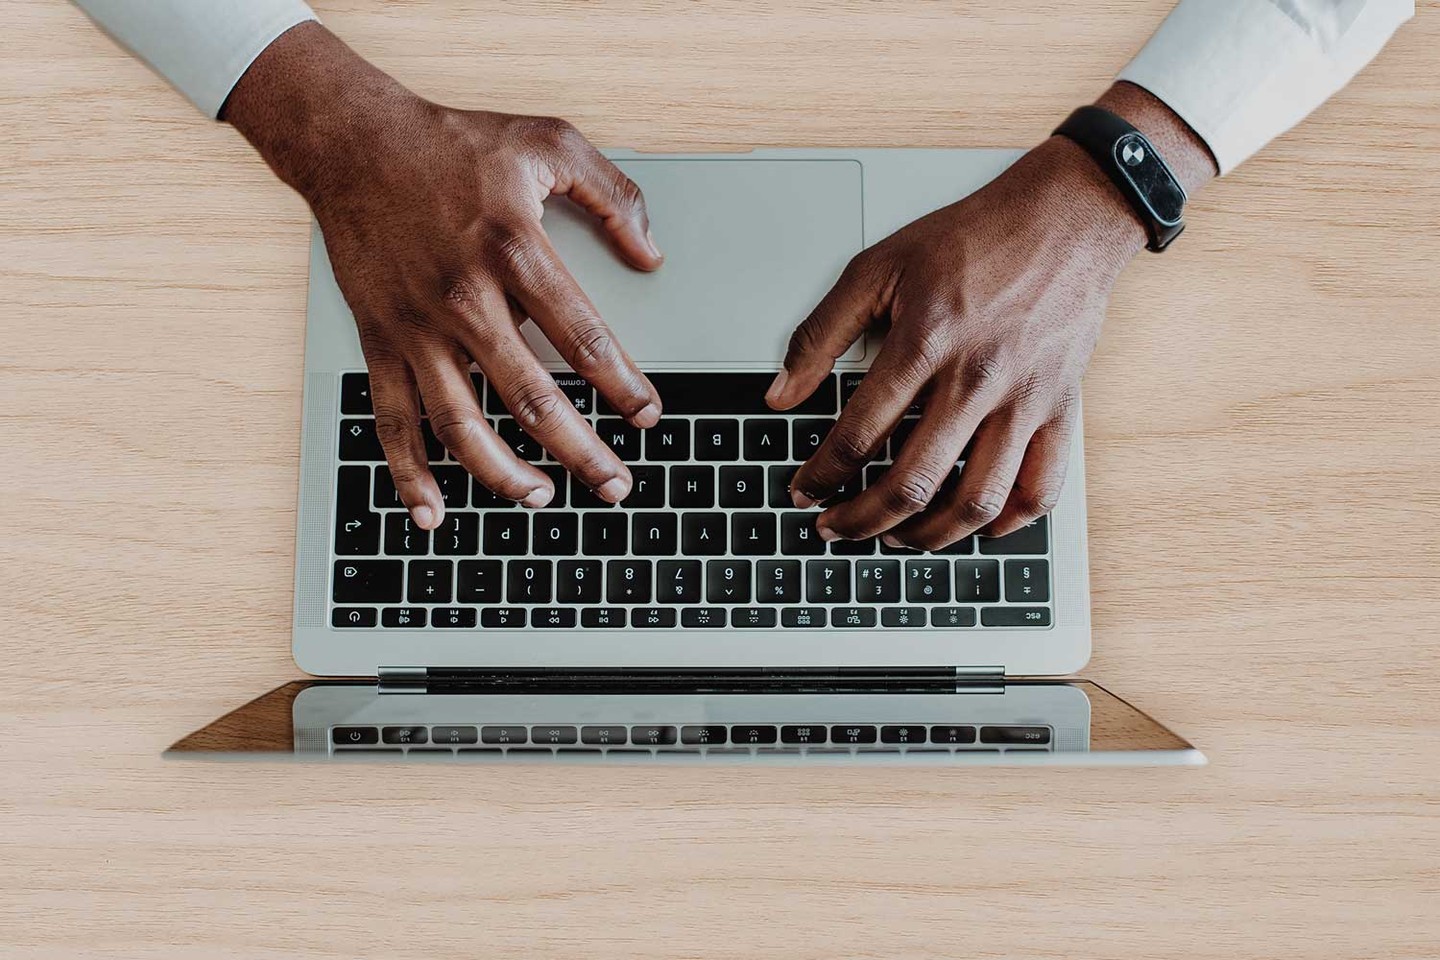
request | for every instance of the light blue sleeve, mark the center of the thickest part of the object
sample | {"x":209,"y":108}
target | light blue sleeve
{"x":203,"y":47}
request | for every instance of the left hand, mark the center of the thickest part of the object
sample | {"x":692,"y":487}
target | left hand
{"x":994,"y":305}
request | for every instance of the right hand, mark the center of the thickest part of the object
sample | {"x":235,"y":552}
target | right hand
{"x":431,"y":217}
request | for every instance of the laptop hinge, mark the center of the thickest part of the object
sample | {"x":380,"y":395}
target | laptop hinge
{"x":403,"y":679}
{"x":971,"y":679}
{"x":979,"y":679}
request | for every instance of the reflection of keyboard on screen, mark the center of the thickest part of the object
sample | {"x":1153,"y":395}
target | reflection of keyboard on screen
{"x":707,"y":538}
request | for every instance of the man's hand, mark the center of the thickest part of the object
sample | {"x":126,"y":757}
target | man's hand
{"x":994,"y":305}
{"x":431,"y":217}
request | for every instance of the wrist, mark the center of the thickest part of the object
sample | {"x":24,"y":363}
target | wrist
{"x":1085,"y":206}
{"x":311,"y":107}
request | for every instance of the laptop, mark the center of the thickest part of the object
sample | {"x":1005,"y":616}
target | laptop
{"x":702,"y":620}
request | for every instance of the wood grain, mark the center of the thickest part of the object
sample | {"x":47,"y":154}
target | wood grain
{"x":1263,"y":422}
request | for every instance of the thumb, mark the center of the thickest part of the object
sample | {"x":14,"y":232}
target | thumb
{"x":599,"y":187}
{"x":840,"y":318}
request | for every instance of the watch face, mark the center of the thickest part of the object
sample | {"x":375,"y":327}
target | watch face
{"x":1152,"y":180}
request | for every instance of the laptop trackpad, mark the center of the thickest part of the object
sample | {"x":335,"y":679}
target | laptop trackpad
{"x":750,"y":247}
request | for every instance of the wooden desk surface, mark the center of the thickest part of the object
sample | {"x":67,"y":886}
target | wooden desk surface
{"x":1263,"y":420}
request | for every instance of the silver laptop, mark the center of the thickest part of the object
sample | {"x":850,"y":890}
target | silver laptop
{"x":701,"y":620}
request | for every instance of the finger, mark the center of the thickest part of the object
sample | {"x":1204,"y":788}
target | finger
{"x":530,"y":395}
{"x":985,"y":484}
{"x":1041,"y":476}
{"x":951,"y":414}
{"x":867,"y":420}
{"x":444,"y":378}
{"x":549,"y":294}
{"x":597,"y":185}
{"x":397,"y":424}
{"x":838,"y":320}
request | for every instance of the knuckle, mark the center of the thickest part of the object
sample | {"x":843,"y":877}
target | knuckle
{"x":627,"y":195}
{"x":805,"y":339}
{"x":458,"y":292}
{"x":536,"y":406}
{"x":909,"y":492}
{"x":985,"y":370}
{"x":981,"y":506}
{"x":1035,"y":503}
{"x":453,"y":426}
{"x":590,"y":348}
{"x":394,"y":431}
{"x":556,"y":130}
{"x":592,"y":469}
{"x":850,"y":445}
{"x":930,"y":342}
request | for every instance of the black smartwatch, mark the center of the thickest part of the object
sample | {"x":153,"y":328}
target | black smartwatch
{"x":1135,"y":167}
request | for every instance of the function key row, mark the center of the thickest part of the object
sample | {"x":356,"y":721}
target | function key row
{"x":499,"y":618}
{"x":699,"y":735}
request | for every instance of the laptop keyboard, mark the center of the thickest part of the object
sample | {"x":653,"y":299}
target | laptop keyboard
{"x":708,"y":537}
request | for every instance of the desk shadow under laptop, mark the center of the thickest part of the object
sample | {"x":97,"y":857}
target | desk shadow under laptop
{"x":702,"y":620}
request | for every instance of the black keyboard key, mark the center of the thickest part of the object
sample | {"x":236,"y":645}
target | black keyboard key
{"x":652,"y":617}
{"x":742,"y":486}
{"x":368,"y":581}
{"x":578,"y":581}
{"x":494,"y":618}
{"x":754,"y":617}
{"x":403,"y":617}
{"x":346,"y":617}
{"x":827,"y":581}
{"x":806,"y":437}
{"x":951,"y":733}
{"x":359,"y":442}
{"x":703,"y":617}
{"x":603,"y":736}
{"x":620,"y":437}
{"x":505,"y":735}
{"x":753,"y":733}
{"x":717,"y":440}
{"x":525,"y":446}
{"x":895,"y":733}
{"x":434,"y":449}
{"x":730,"y":394}
{"x":927,"y":581}
{"x":803,"y":617}
{"x":853,"y":548}
{"x":507,"y":534}
{"x":977,"y":581}
{"x":902,"y":617}
{"x":952,"y":617}
{"x":560,"y":481}
{"x":528,"y":581}
{"x":1034,"y":539}
{"x":553,"y":735}
{"x":482,"y":497}
{"x":1015,"y":735}
{"x":1015,"y":617}
{"x":556,"y":534}
{"x":403,"y":538}
{"x":702,"y":736}
{"x":458,"y":535}
{"x":777,"y":581}
{"x":654,"y":535}
{"x":386,"y":497}
{"x":692,"y":486}
{"x":668,"y":441}
{"x":647,"y":488}
{"x":803,"y":733}
{"x":767,"y":439}
{"x":1027,"y":581}
{"x":779,"y":485}
{"x":355,"y":393}
{"x":357,"y":527}
{"x":850,"y":382}
{"x":430,"y":581}
{"x":600,"y":618}
{"x":960,"y":548}
{"x":627,"y":581}
{"x":405,"y":735}
{"x":852,"y":617}
{"x":727,"y":581}
{"x":703,"y":534}
{"x":877,"y":581}
{"x":454,"y":484}
{"x":653,"y":736}
{"x":583,"y":498}
{"x":677,"y":581}
{"x":554,"y":618}
{"x":605,"y":534}
{"x":455,"y":618}
{"x":752,"y":534}
{"x":454,"y":735}
{"x":478,"y":581}
{"x":852,"y":733}
{"x":354,"y":736}
{"x":798,"y":536}
{"x":578,"y":391}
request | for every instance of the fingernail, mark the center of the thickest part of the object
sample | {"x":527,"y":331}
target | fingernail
{"x":424,"y":517}
{"x":648,"y":416}
{"x":650,"y":239}
{"x":615,"y":489}
{"x":537,"y":497}
{"x":777,"y":386}
{"x":802,"y":499}
{"x":890,"y":541}
{"x":826,"y":533}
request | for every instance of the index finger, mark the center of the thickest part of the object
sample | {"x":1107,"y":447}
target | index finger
{"x":549,"y":294}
